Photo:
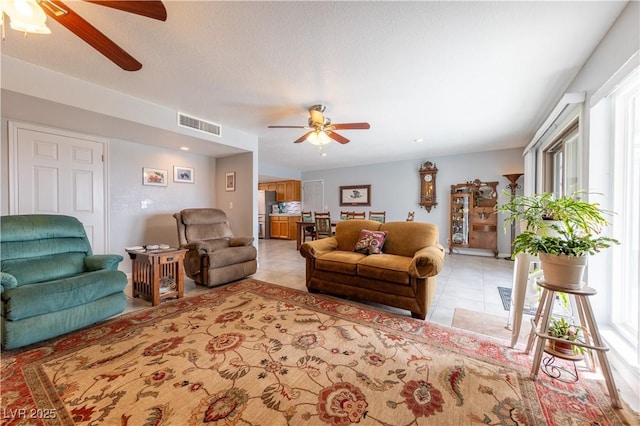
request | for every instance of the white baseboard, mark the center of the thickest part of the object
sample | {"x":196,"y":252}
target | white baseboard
{"x":479,"y":252}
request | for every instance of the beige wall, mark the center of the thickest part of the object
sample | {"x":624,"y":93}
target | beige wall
{"x":237,"y":204}
{"x":395,"y":187}
{"x":129,"y":224}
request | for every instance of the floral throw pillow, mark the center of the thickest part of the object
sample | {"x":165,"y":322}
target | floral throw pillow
{"x":370,"y":242}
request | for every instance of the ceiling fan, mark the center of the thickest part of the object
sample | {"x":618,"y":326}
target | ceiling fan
{"x":320,"y":129}
{"x":64,"y":15}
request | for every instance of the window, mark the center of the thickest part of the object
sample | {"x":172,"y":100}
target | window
{"x":561,"y":163}
{"x":625,"y":108}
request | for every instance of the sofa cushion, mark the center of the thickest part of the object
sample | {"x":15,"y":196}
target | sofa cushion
{"x":348,"y":232}
{"x":207,"y":232}
{"x":203,"y":216}
{"x":342,"y":262}
{"x":216,"y":244}
{"x":41,"y":298}
{"x":231,"y":255}
{"x":12,"y":250}
{"x":406,"y":238}
{"x":97,"y":262}
{"x":44,"y":268}
{"x":385,"y":267}
{"x":370,"y":242}
{"x":205,"y":224}
{"x":35,"y":227}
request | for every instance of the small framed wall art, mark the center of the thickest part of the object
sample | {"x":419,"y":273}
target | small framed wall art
{"x":155,"y":177}
{"x":356,"y":195}
{"x":183,"y":174}
{"x":230,"y":181}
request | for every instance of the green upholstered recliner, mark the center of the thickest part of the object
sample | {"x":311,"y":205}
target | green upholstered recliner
{"x":51,"y":283}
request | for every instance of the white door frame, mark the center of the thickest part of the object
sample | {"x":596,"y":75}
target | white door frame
{"x":14,"y":126}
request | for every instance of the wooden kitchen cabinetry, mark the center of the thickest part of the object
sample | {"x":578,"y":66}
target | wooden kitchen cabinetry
{"x":292,"y":191}
{"x":284,"y":227}
{"x":267,"y":186}
{"x":473,"y":220}
{"x":286,"y":190}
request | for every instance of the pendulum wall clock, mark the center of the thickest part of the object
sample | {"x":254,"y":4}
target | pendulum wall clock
{"x":428,"y":173}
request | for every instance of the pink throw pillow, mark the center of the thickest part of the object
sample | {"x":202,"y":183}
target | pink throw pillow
{"x":370,"y":242}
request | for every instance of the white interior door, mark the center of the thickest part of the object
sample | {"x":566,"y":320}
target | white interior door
{"x":58,"y":172}
{"x":313,"y":196}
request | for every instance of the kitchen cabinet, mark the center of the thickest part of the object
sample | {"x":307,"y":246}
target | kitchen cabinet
{"x":267,"y":186}
{"x":292,"y":191}
{"x":281,"y":188}
{"x":284,"y":227}
{"x":473,"y":220}
{"x":286,"y":190}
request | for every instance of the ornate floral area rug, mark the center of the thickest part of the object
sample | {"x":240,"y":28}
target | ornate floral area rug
{"x":254,"y":353}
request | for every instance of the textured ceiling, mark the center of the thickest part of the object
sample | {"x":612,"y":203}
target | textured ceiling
{"x":464,"y":76}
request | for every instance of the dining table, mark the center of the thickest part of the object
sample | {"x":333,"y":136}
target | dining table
{"x":300,"y":232}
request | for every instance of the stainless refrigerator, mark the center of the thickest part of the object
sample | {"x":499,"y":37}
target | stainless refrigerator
{"x":266,"y":199}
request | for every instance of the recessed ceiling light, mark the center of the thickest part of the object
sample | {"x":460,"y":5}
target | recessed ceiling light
{"x":418,"y":140}
{"x":184,"y":148}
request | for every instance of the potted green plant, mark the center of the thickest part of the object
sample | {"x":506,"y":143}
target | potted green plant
{"x":561,"y":231}
{"x":569,"y":333}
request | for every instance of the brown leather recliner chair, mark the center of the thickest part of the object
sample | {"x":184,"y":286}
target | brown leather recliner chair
{"x":215,"y":256}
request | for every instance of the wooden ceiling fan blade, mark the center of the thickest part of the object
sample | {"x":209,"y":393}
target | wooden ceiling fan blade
{"x":149,"y":8}
{"x":338,"y":138}
{"x":351,"y":126}
{"x":303,"y":137}
{"x":91,"y":35}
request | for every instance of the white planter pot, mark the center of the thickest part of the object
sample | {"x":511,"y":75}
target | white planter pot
{"x":563,"y":271}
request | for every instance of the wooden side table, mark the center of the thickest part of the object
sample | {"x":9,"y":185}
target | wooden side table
{"x":157,"y":274}
{"x":587,"y":320}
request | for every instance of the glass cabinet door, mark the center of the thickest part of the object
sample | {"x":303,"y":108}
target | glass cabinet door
{"x":473,"y":217}
{"x":459,"y":219}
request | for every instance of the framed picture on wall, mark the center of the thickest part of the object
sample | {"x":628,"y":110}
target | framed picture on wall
{"x":356,"y":195}
{"x":155,"y":177}
{"x":183,"y":174}
{"x":230,"y":181}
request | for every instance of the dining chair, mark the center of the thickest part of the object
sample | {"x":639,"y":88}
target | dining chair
{"x":378,"y":216}
{"x":323,"y":225}
{"x":358,"y":215}
{"x":308,"y":231}
{"x":344,"y":215}
{"x":410,"y":216}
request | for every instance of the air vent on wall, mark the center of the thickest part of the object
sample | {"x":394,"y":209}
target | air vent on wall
{"x":198,"y":124}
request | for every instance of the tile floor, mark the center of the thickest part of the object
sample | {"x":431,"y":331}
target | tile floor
{"x":469,"y":282}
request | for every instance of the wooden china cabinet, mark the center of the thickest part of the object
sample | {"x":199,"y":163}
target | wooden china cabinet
{"x":474,"y":222}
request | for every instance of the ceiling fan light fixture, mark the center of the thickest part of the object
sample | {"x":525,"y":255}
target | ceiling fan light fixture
{"x":26,"y":16}
{"x":318,"y":137}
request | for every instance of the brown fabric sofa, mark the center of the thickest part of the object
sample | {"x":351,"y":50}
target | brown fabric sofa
{"x":215,"y":256}
{"x":403,"y":275}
